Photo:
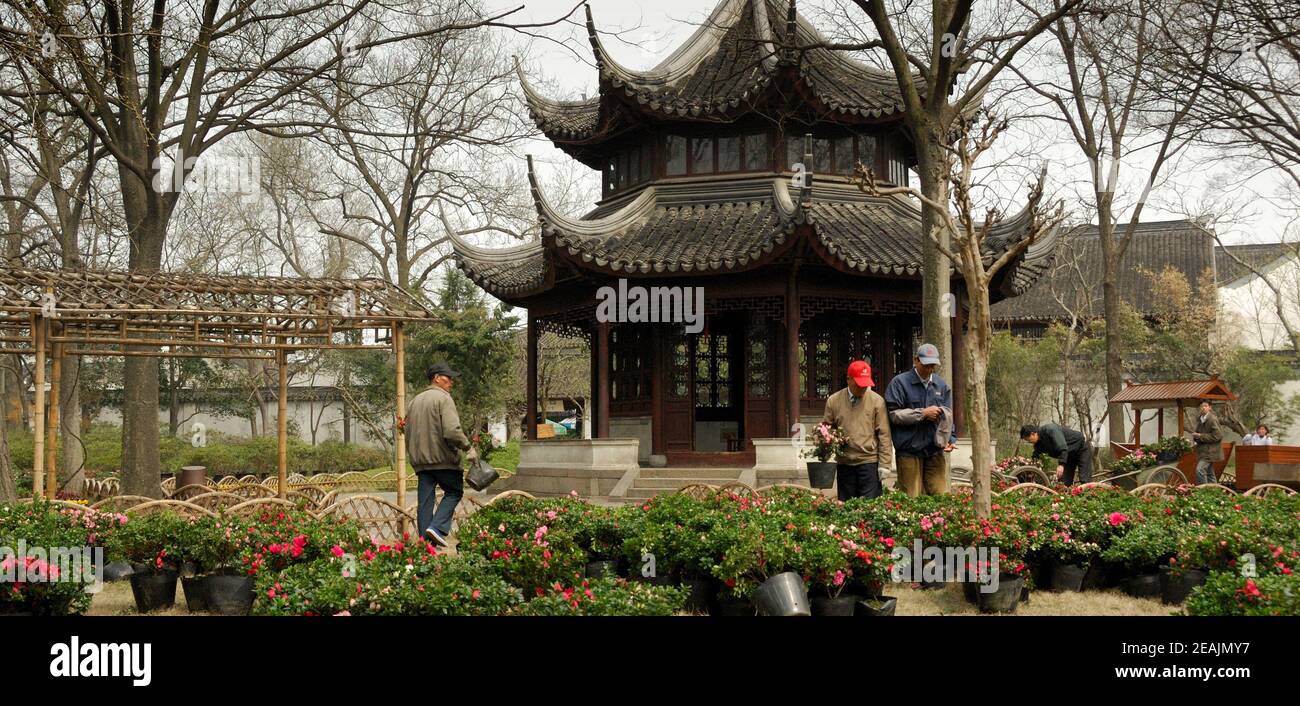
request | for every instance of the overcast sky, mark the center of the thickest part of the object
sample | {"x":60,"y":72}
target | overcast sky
{"x":642,"y":32}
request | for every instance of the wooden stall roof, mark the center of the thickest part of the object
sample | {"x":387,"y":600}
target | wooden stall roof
{"x":1170,"y":394}
{"x":98,"y":310}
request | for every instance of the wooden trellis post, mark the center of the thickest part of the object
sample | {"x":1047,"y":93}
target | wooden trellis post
{"x":399,"y":434}
{"x":282,"y":424}
{"x":38,"y":412}
{"x":52,"y":428}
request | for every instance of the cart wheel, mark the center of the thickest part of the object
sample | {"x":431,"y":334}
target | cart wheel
{"x":1167,"y":474}
{"x":1031,"y":474}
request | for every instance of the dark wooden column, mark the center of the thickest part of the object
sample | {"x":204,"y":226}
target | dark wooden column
{"x":601,"y":393}
{"x":958,"y":363}
{"x":793,"y":397}
{"x":657,"y":357}
{"x":530,"y":395}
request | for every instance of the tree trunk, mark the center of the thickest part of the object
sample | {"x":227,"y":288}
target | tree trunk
{"x":74,"y":456}
{"x":979,"y":338}
{"x":173,"y":399}
{"x":8,"y":488}
{"x":938,"y":304}
{"x":146,"y":215}
{"x":1110,"y":303}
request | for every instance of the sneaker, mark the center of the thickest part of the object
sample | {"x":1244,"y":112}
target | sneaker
{"x":436,"y":538}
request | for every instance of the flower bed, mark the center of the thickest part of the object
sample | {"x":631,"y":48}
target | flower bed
{"x":523,"y":556}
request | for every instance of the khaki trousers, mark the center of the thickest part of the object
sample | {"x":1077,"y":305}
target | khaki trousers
{"x":916,"y":473}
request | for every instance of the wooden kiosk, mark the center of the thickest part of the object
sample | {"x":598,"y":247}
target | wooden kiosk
{"x":1179,"y":396}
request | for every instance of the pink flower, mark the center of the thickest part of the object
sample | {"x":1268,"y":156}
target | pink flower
{"x":337,"y":551}
{"x":344,"y":613}
{"x":839,"y":578}
{"x":550,"y":515}
{"x":1117,"y":519}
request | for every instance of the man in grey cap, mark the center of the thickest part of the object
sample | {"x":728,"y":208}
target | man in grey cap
{"x":434,"y":440}
{"x":920,"y":417}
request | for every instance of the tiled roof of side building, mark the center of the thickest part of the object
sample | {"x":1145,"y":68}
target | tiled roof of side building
{"x":1073,"y":284}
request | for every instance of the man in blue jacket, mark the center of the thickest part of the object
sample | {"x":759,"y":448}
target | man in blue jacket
{"x":920,"y":416}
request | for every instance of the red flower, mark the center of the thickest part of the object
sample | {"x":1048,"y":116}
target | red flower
{"x":731,"y":583}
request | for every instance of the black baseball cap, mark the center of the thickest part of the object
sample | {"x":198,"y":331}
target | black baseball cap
{"x":441,"y":368}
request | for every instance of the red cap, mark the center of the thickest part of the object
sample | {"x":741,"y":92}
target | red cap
{"x":860,"y":372}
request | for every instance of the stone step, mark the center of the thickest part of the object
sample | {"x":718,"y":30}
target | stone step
{"x":645,"y":493}
{"x":707,"y":473}
{"x":675,"y":483}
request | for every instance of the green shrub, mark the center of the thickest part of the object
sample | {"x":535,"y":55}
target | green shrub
{"x":606,"y":597}
{"x":1228,"y":593}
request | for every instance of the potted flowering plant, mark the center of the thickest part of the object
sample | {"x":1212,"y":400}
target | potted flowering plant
{"x":153,"y":544}
{"x":1168,"y":449}
{"x":827,"y":442}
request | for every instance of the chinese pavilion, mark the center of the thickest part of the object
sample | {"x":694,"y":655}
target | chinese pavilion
{"x":708,"y":162}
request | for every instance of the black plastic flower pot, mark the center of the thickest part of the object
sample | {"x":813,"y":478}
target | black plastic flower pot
{"x":1165,"y":457}
{"x":732,"y":607}
{"x":1176,"y":586}
{"x":229,"y":594}
{"x":783,"y":595}
{"x":1142,"y":586}
{"x":876,"y":607}
{"x":699,"y":592}
{"x":842,"y":605}
{"x":1068,"y":577}
{"x":971,"y":590}
{"x":821,"y":475}
{"x":597,"y":569}
{"x":196,"y":597}
{"x":1095,"y":577}
{"x":154,"y":590}
{"x":1006,"y":598}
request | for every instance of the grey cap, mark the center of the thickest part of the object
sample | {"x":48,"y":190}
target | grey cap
{"x":928,"y":354}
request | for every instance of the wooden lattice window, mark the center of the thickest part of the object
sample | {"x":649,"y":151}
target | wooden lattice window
{"x":629,"y":373}
{"x":680,"y":366}
{"x":758,"y":374}
{"x":713,"y":371}
{"x":823,"y":361}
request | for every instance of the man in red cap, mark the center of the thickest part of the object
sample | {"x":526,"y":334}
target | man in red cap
{"x":862,"y":417}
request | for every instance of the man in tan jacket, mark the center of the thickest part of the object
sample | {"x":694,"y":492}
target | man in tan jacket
{"x":860,"y":413}
{"x":433,"y":443}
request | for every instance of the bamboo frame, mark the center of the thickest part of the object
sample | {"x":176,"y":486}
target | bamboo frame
{"x":101,"y":313}
{"x":399,"y":433}
{"x":38,"y":413}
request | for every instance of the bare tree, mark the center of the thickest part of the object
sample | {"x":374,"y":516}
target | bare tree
{"x":424,"y":158}
{"x":1112,"y":96}
{"x":945,"y":57}
{"x":149,"y":79}
{"x":967,"y":241}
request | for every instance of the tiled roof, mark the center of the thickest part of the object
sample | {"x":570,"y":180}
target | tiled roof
{"x":727,"y":63}
{"x":730,"y":226}
{"x":1255,"y":255}
{"x":1074,"y":279}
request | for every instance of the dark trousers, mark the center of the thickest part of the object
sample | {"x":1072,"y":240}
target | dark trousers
{"x":860,"y":481}
{"x":1081,"y":461}
{"x":452,"y":482}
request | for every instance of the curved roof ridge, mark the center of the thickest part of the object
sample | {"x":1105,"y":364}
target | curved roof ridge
{"x":629,"y":213}
{"x":508,"y":253}
{"x":683,"y":61}
{"x":545,"y":102}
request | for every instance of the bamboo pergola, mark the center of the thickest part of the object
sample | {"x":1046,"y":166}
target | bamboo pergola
{"x":59,"y":313}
